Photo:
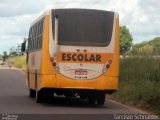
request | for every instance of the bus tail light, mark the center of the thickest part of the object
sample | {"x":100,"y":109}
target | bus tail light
{"x":54,"y":63}
{"x":52,"y":59}
{"x":107,"y":65}
{"x":110,"y":61}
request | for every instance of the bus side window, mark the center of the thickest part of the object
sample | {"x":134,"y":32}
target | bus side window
{"x":36,"y":46}
{"x":35,"y":42}
{"x":38,"y":37}
{"x":41,"y":33}
{"x":27,"y":50}
{"x":29,"y":40}
{"x":34,"y":35}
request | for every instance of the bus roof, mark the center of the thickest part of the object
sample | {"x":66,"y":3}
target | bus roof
{"x":66,"y":10}
{"x":40,"y":17}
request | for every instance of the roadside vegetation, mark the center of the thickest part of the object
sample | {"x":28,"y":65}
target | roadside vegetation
{"x":140,"y":76}
{"x":140,"y":82}
{"x":151,"y":48}
{"x":139,"y":72}
{"x":17,"y":61}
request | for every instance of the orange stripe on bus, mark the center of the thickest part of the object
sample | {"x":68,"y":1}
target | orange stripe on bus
{"x":83,"y":57}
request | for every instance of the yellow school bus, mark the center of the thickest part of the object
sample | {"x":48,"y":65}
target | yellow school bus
{"x":73,"y":52}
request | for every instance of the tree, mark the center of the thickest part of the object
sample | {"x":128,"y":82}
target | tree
{"x":5,"y":54}
{"x":151,"y":47}
{"x":12,"y":49}
{"x":125,"y":39}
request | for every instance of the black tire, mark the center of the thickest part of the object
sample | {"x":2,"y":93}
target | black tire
{"x":100,"y":99}
{"x":82,"y":97}
{"x":32,"y":93}
{"x":91,"y":100}
{"x":48,"y":97}
{"x":69,"y":95}
{"x":39,"y":97}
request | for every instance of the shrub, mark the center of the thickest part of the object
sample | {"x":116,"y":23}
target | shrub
{"x":17,"y":61}
{"x":140,"y":82}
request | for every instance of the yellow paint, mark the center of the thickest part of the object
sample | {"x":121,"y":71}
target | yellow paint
{"x":59,"y":81}
{"x":114,"y":69}
{"x":49,"y":78}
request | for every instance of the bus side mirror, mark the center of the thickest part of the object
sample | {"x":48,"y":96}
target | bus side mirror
{"x":23,"y":47}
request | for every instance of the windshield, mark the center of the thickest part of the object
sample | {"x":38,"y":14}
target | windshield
{"x":84,"y":27}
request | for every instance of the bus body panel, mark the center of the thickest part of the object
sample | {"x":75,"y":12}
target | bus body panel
{"x":105,"y":82}
{"x":42,"y":74}
{"x":114,"y":70}
{"x":59,"y":81}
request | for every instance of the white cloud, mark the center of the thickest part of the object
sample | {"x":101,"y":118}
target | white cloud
{"x":145,"y":24}
{"x":22,"y":7}
{"x":13,"y":30}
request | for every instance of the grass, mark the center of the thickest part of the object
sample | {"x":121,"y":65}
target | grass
{"x":140,"y":82}
{"x":17,"y":61}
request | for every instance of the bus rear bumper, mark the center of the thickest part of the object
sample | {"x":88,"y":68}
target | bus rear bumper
{"x":74,"y":91}
{"x":102,"y":83}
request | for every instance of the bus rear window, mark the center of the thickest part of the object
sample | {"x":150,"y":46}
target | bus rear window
{"x":85,"y":28}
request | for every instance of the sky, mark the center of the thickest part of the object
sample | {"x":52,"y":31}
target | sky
{"x":141,"y":17}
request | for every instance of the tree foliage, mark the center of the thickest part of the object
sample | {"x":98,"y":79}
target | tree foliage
{"x":151,"y":47}
{"x":5,"y":53}
{"x":125,"y":39}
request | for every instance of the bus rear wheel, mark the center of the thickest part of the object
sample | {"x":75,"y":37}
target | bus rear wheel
{"x":91,"y":99}
{"x":32,"y":93}
{"x":39,"y":97}
{"x":100,"y":99}
{"x":48,"y":96}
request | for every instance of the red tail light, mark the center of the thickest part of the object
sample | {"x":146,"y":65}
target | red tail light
{"x":54,"y":64}
{"x":110,"y":61}
{"x":52,"y":59}
{"x":107,"y":66}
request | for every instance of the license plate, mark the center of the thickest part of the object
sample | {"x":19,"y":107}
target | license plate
{"x":81,"y":72}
